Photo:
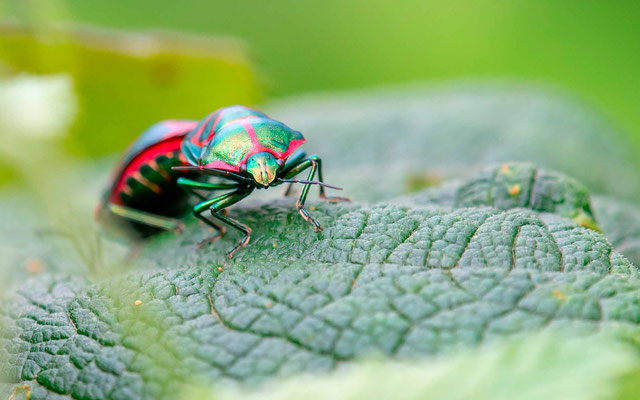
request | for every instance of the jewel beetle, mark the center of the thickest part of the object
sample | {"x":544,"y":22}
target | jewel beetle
{"x":173,"y":162}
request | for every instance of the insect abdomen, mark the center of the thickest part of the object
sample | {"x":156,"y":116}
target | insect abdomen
{"x":144,"y":179}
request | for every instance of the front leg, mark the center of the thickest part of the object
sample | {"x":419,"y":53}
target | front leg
{"x":315,"y":163}
{"x":323,"y":194}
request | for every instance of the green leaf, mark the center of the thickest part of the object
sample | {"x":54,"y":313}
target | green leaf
{"x":514,"y":185}
{"x":523,"y":185}
{"x":395,"y":280}
{"x":409,"y":277}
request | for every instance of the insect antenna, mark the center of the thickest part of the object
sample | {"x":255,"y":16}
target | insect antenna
{"x":309,"y":183}
{"x":212,"y":171}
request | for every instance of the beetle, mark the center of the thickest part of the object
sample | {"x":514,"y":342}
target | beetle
{"x":173,"y":161}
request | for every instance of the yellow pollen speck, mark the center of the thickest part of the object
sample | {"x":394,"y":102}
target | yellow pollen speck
{"x":514,"y":190}
{"x":275,"y":245}
{"x":138,"y":302}
{"x":34,"y":266}
{"x":219,"y":268}
{"x":504,"y":169}
{"x":557,"y":293}
{"x":268,"y":304}
{"x":312,"y":208}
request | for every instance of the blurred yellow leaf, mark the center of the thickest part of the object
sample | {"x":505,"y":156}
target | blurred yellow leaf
{"x":127,"y":81}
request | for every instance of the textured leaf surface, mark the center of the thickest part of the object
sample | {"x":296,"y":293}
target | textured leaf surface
{"x":402,"y":280}
{"x":523,"y":185}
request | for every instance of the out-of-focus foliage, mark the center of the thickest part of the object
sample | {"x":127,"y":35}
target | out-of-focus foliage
{"x":125,"y":81}
{"x":538,"y":367}
{"x":589,"y":47}
{"x":36,"y":107}
{"x":390,"y":135}
{"x":36,"y":113}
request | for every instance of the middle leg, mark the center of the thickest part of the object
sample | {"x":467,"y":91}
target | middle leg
{"x":192,"y":187}
{"x":218,"y":204}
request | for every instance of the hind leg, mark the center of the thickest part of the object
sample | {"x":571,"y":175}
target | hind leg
{"x":145,"y":218}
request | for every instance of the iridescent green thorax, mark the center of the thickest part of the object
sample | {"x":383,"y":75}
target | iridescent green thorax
{"x":227,"y":138}
{"x":263,"y":167}
{"x":237,"y":140}
{"x":230,"y":145}
{"x":274,"y":135}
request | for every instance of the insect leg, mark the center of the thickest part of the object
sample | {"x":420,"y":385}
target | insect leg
{"x":304,"y":164}
{"x":197,"y":212}
{"x":323,"y":195}
{"x":315,"y":163}
{"x":217,"y":204}
{"x":191,"y":186}
{"x":146,"y":218}
{"x":295,"y":170}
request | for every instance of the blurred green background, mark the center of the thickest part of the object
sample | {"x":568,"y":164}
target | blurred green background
{"x":590,"y":47}
{"x":587,"y":48}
